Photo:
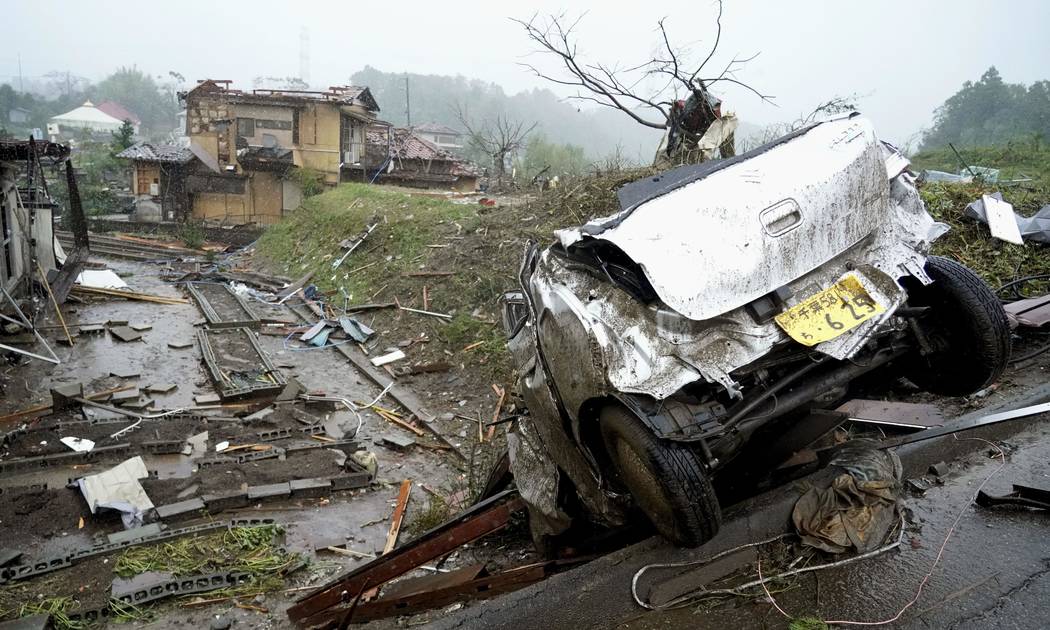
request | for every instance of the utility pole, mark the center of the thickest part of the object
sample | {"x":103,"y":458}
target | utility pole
{"x":408,"y":105}
{"x":21,"y":85}
{"x":304,"y":55}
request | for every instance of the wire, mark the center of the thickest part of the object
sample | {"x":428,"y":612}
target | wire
{"x":933,"y":567}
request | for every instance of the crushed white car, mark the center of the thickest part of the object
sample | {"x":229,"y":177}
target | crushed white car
{"x":722,"y":303}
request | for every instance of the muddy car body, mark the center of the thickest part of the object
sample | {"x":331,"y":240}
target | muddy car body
{"x":724,"y":301}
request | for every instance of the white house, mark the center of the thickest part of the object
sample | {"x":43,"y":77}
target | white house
{"x":87,"y":116}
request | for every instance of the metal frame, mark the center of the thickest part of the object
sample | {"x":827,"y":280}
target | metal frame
{"x":214,"y":319}
{"x":328,"y":604}
{"x":215,"y":372}
{"x":25,"y":323}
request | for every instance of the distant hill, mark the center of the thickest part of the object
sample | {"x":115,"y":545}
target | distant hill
{"x":433,"y":99}
{"x":990,"y":112}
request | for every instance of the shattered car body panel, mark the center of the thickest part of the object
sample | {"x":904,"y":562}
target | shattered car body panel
{"x":679,"y":290}
{"x":850,"y":218}
{"x":757,"y":224}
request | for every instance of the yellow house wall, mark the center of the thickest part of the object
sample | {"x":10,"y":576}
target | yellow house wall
{"x":220,"y":207}
{"x":260,"y":203}
{"x":319,"y":140}
{"x":266,"y":194}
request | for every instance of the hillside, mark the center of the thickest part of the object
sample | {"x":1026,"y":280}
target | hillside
{"x":481,"y":247}
{"x":480,"y":250}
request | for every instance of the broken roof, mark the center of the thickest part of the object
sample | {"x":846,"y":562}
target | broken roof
{"x":155,"y":152}
{"x":343,"y":94}
{"x":19,"y":149}
{"x":438,"y":128}
{"x":406,"y":145}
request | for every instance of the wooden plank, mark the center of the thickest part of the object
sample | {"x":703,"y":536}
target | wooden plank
{"x":398,"y":516}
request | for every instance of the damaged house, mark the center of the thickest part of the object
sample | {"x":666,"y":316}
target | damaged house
{"x":255,"y":147}
{"x":158,"y":178}
{"x":404,"y":158}
{"x":29,"y":249}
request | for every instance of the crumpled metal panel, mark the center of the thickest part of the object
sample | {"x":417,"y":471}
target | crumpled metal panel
{"x":723,"y":241}
{"x":655,"y":349}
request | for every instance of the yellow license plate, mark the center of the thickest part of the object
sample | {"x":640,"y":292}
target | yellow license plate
{"x":830,"y":313}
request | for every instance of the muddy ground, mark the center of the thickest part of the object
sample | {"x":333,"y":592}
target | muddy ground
{"x":43,"y":522}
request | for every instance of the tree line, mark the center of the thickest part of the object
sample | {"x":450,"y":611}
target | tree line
{"x":991,"y":112}
{"x":152,"y":101}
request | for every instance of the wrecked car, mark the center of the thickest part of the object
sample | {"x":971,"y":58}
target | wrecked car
{"x":721,"y":305}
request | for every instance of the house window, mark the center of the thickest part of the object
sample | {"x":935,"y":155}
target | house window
{"x":246,"y":127}
{"x":274,"y":124}
{"x":295,"y":126}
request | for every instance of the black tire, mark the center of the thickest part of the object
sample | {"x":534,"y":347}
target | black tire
{"x":667,"y":480}
{"x":967,"y":328}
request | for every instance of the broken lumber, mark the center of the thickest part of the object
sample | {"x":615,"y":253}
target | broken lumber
{"x":129,"y":295}
{"x":502,"y":393}
{"x":54,"y":303}
{"x":392,"y":417}
{"x":398,"y":516}
{"x":39,"y":408}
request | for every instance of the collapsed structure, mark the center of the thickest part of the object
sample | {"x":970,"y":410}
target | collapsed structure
{"x":406,"y":158}
{"x":250,"y":152}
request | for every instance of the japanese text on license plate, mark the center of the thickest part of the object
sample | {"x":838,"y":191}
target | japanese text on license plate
{"x":830,"y":313}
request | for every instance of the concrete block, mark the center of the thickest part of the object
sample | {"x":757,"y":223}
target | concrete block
{"x":225,"y":501}
{"x":173,"y":510}
{"x":133,"y":534}
{"x":351,"y":481}
{"x":269,"y":491}
{"x":310,"y":487}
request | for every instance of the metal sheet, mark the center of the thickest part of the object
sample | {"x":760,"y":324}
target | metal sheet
{"x":835,"y":177}
{"x":1032,"y":312}
{"x":899,"y":414}
{"x":484,"y":518}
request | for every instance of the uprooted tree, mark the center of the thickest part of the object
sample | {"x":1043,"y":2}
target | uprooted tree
{"x":679,"y":102}
{"x":498,"y":137}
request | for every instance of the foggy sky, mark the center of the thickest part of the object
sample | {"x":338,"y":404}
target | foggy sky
{"x":904,"y":58}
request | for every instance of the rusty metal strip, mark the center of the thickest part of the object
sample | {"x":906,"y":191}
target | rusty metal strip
{"x":480,"y":588}
{"x":210,"y":297}
{"x":484,"y":518}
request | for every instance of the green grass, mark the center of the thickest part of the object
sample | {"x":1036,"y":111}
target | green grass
{"x":1027,"y":157}
{"x":308,"y":239}
{"x":970,"y":242}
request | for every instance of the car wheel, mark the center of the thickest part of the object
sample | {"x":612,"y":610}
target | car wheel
{"x":967,"y":328}
{"x":666,"y":480}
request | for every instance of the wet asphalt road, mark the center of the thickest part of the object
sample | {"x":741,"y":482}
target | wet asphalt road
{"x":994,"y":572}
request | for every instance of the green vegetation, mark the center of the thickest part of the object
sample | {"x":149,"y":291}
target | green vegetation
{"x":480,"y":246}
{"x":1021,"y":157}
{"x":252,"y":550}
{"x":807,"y":623}
{"x":969,"y":241}
{"x":123,"y":137}
{"x":192,"y":234}
{"x":991,"y":112}
{"x":550,"y":159}
{"x":58,"y":607}
{"x":311,"y":181}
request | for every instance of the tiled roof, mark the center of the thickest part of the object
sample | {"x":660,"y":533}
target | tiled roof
{"x":119,"y":112}
{"x":438,"y":128}
{"x":150,"y":152}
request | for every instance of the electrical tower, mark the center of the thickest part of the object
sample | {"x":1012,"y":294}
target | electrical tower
{"x":304,"y":55}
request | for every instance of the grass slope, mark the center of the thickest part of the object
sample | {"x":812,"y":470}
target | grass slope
{"x":481,"y":246}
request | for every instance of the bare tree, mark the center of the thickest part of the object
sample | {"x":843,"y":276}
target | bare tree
{"x":496,"y":137}
{"x":830,"y":107}
{"x":619,"y":86}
